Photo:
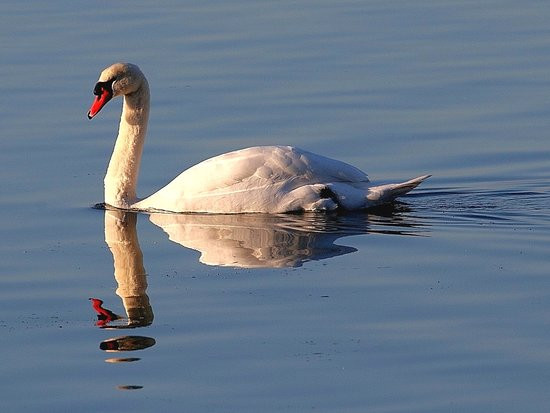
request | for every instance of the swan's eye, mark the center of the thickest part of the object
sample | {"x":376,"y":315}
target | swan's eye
{"x":98,"y":89}
{"x":101,"y":87}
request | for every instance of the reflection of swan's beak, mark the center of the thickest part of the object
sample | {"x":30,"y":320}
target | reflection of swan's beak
{"x":104,"y":316}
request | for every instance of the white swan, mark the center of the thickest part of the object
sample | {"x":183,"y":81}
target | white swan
{"x":268,"y":179}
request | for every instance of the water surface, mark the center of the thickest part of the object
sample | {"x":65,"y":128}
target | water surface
{"x":439,"y":303}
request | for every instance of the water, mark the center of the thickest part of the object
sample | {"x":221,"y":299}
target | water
{"x":438,"y":304}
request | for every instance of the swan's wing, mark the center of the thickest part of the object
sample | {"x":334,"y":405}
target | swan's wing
{"x":254,"y":175}
{"x":265,"y":165}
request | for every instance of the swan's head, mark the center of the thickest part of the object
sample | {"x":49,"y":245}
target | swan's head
{"x":118,"y":79}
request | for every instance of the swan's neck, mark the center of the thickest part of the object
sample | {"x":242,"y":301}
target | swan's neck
{"x":122,"y":174}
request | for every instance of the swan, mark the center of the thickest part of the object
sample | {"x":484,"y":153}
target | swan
{"x":260,"y":179}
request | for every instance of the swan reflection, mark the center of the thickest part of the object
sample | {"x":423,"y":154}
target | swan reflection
{"x":130,"y":275}
{"x":242,"y":240}
{"x":262,"y":240}
{"x":246,"y":240}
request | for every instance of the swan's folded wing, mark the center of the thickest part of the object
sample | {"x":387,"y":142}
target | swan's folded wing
{"x":263,"y":165}
{"x":253,"y":176}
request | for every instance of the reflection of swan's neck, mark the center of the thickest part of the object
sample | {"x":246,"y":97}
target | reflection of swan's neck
{"x":122,"y":174}
{"x":121,"y":237}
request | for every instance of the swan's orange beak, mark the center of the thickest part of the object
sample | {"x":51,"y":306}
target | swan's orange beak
{"x":102,"y":94}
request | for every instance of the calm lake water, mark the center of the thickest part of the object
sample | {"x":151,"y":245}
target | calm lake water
{"x":441,"y":303}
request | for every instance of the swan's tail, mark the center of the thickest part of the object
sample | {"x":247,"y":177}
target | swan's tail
{"x":386,"y":193}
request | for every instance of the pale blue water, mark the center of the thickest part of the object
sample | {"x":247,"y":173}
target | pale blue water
{"x":439,"y":304}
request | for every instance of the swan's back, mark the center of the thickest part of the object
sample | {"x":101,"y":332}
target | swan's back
{"x":265,"y":165}
{"x":272,"y":179}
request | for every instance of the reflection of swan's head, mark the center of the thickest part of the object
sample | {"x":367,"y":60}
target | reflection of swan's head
{"x":120,"y":79}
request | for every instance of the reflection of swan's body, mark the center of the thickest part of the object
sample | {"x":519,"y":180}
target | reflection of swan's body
{"x":271,"y":179}
{"x":256,"y":240}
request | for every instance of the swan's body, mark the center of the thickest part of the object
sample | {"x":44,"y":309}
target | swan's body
{"x":268,"y":179}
